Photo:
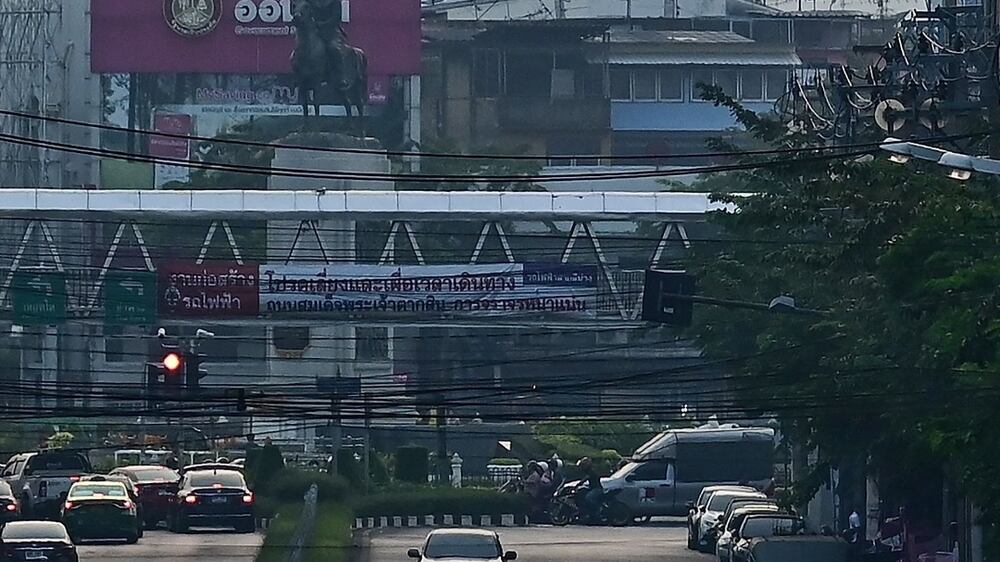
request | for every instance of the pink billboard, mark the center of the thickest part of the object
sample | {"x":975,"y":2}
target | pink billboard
{"x":241,"y":36}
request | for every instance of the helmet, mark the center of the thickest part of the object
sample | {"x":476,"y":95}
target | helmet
{"x":544,"y":466}
{"x":584,"y":463}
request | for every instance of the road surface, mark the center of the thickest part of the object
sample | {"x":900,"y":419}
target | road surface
{"x":163,"y":546}
{"x":663,"y":542}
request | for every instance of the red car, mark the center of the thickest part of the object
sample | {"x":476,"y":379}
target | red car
{"x":156,"y":487}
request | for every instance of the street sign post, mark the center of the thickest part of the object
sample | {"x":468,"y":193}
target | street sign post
{"x":130,"y":298}
{"x":666,"y":297}
{"x":38,"y":297}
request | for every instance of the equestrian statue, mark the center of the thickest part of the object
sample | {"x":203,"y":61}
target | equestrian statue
{"x":323,"y":56}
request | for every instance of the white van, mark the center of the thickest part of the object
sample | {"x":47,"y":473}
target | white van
{"x":669,"y":471}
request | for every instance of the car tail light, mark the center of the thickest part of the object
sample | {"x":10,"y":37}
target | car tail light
{"x":70,"y":505}
{"x":12,"y":507}
{"x":191,"y":499}
{"x":248,"y":498}
{"x":127,"y":504}
{"x":74,"y":478}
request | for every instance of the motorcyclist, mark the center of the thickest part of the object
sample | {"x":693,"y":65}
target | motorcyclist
{"x":590,"y":502}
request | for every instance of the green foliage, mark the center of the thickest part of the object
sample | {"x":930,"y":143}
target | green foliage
{"x":412,"y":464}
{"x":901,"y":370}
{"x":331,"y":537}
{"x":624,"y":437}
{"x":263,"y":464}
{"x":294,"y":483}
{"x":349,"y":467}
{"x":505,"y":462}
{"x":280,"y":532}
{"x":441,"y":501}
{"x":60,"y":440}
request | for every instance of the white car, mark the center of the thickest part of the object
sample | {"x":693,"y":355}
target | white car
{"x":462,"y":544}
{"x":730,"y":530}
{"x":714,"y":509}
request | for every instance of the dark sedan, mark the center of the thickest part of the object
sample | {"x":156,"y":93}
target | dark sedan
{"x":156,"y":488}
{"x":42,"y":541}
{"x":213,"y":498}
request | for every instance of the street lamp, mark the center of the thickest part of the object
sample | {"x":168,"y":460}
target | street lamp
{"x":960,"y":166}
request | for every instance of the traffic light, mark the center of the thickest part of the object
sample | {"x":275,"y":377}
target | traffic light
{"x":666,"y":297}
{"x":172,"y":362}
{"x":193,"y":371}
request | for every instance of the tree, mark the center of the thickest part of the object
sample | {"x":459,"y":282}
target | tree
{"x":907,"y":263}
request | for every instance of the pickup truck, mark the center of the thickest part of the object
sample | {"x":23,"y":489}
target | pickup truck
{"x":41,"y":480}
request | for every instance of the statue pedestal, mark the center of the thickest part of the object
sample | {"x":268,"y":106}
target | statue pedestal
{"x":335,"y":236}
{"x":320,"y":242}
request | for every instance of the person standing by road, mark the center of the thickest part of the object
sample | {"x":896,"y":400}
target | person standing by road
{"x":595,"y":491}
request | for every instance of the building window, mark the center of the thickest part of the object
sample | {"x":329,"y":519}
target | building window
{"x":291,"y":338}
{"x":671,"y":85}
{"x":728,"y":80}
{"x":752,"y":85}
{"x":699,"y":77}
{"x":776,"y":84}
{"x":371,"y":344}
{"x":644,"y":85}
{"x":621,"y":85}
{"x":528,"y":75}
{"x":487,"y":78}
{"x":124,"y":344}
{"x":33,"y":346}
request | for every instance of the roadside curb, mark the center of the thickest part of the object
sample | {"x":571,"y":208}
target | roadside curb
{"x":399,"y":521}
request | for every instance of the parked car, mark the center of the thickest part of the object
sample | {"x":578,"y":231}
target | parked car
{"x":764,"y":526}
{"x":37,"y":540}
{"x":156,"y":488}
{"x":10,"y":509}
{"x":41,"y":480}
{"x":667,"y":473}
{"x":213,"y":497}
{"x":729,"y":533}
{"x":463,"y":544}
{"x":813,"y":548}
{"x":101,"y":509}
{"x":697,"y":508}
{"x":714,"y":508}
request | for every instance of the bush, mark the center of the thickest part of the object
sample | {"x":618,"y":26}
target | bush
{"x":292,"y":484}
{"x":264,"y":464}
{"x":378,"y":469}
{"x":504,"y":462}
{"x":349,"y":468}
{"x":412,"y":464}
{"x":442,"y":501}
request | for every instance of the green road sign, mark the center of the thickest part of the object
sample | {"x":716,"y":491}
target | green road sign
{"x":38,"y":298}
{"x":130,"y":297}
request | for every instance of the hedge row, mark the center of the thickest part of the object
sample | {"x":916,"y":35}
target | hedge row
{"x":441,"y":501}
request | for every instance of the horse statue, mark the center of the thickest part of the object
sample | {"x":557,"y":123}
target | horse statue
{"x":322,"y":56}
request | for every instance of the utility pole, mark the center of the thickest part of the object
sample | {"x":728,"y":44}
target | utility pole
{"x":368,"y":441}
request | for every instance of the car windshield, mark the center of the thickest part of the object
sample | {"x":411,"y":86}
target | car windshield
{"x":212,"y":479}
{"x":736,"y":519}
{"x":158,"y":474}
{"x":720,"y":500}
{"x":57,"y":461}
{"x":462,"y":546}
{"x":33,"y":530}
{"x":98,"y":490}
{"x":755,"y":527}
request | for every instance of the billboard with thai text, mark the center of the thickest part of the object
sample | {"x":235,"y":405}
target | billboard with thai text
{"x":428,"y":291}
{"x":209,"y":290}
{"x":241,"y":36}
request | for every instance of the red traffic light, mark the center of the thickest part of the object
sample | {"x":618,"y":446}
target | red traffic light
{"x":172,"y":362}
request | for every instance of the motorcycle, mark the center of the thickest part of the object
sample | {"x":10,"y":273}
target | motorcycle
{"x":564,"y":509}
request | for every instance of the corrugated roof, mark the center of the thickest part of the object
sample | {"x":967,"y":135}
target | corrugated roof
{"x":715,"y":59}
{"x":676,"y":37}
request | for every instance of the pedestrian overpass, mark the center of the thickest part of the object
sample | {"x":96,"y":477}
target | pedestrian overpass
{"x":88,"y":237}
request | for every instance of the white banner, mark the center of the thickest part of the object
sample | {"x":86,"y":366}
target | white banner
{"x":429,"y":290}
